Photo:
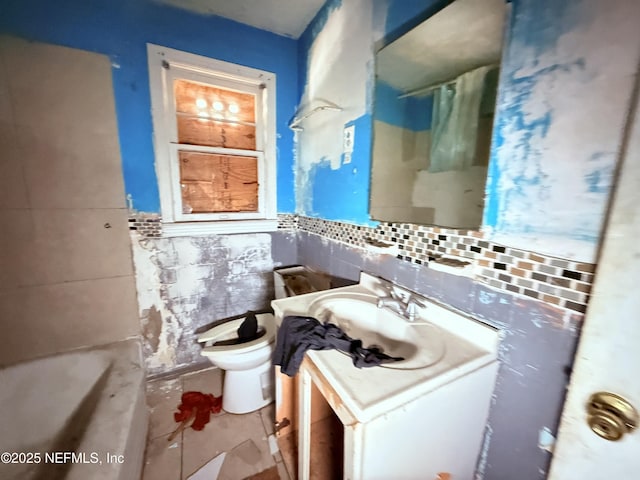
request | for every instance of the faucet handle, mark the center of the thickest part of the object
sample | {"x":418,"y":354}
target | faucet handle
{"x":412,"y":307}
{"x":412,"y":300}
{"x":402,"y":295}
{"x":393,"y":293}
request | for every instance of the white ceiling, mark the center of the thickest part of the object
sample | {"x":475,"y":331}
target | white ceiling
{"x":284,"y":17}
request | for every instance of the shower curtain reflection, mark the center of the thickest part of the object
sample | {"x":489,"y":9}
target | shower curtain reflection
{"x":456,"y":111}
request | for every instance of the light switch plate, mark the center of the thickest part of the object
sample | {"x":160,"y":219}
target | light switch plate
{"x":348,"y":139}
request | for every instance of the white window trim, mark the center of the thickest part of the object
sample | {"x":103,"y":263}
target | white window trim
{"x":164,"y":128}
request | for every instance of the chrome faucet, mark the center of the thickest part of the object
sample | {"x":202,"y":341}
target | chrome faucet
{"x":401,"y":302}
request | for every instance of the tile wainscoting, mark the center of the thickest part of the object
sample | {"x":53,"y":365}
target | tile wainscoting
{"x":146,"y":224}
{"x":563,"y":283}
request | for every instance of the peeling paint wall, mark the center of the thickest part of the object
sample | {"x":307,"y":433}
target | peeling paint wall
{"x":566,"y":82}
{"x":336,"y":55}
{"x":564,"y":91}
{"x":121,"y":29}
{"x":186,"y":283}
{"x":562,"y":107}
{"x":338,"y":70}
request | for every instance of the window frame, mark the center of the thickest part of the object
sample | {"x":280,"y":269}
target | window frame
{"x":166,"y":65}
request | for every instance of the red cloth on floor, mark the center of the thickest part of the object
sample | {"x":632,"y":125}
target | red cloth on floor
{"x":199,"y":405}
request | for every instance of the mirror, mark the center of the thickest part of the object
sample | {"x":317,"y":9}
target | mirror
{"x":435,"y":94}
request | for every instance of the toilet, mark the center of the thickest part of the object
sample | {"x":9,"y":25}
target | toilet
{"x":248,"y":379}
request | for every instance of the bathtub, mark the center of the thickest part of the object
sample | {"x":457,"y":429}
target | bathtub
{"x":74,"y":416}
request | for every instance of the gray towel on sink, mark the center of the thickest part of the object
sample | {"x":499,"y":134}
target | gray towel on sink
{"x":297,"y":334}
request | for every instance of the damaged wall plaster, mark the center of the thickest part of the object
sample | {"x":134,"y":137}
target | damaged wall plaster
{"x":561,"y":112}
{"x":341,"y":76}
{"x":551,"y":172}
{"x":121,"y":29}
{"x":327,"y":185}
{"x":186,"y":283}
{"x":562,"y":106}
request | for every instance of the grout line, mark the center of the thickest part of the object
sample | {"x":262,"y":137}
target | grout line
{"x":66,"y":282}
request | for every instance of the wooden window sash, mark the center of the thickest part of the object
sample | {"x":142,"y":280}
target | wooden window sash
{"x":214,"y":79}
{"x":165,"y":64}
{"x":220,"y":81}
{"x":176,"y":189}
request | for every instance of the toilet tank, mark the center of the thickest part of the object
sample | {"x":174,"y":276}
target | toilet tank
{"x":297,"y":280}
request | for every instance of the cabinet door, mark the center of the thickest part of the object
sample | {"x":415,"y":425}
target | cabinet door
{"x":286,"y":404}
{"x":321,"y":435}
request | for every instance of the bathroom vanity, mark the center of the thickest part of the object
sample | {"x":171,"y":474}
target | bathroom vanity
{"x":411,"y":419}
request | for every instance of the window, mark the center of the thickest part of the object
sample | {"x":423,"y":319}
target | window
{"x":214,"y":140}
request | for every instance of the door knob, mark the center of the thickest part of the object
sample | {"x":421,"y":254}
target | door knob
{"x":611,"y":416}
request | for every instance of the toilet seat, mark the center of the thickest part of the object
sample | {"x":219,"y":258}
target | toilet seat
{"x":229,"y":330}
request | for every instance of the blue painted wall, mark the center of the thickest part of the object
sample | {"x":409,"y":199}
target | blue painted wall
{"x":559,"y":118}
{"x":327,"y":187}
{"x":411,"y":113}
{"x":537,"y":26}
{"x":561,"y":112}
{"x":351,"y":181}
{"x":120,"y":29}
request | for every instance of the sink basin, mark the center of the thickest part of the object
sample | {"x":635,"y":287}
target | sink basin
{"x":420,"y":343}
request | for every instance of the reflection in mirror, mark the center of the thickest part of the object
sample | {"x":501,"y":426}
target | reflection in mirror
{"x":435,"y":96}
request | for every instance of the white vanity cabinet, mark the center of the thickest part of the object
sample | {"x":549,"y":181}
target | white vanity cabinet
{"x":394,"y":423}
{"x":439,"y":432}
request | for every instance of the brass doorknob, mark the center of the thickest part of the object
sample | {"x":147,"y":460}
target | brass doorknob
{"x":611,"y":416}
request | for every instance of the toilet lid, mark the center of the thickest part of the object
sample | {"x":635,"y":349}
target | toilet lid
{"x":222,"y":332}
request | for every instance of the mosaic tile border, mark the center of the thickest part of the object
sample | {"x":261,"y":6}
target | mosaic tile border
{"x":150,"y":224}
{"x":287,"y":221}
{"x":146,"y":224}
{"x":563,"y":283}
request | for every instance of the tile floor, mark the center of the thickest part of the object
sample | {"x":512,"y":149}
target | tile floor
{"x":248,"y":440}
